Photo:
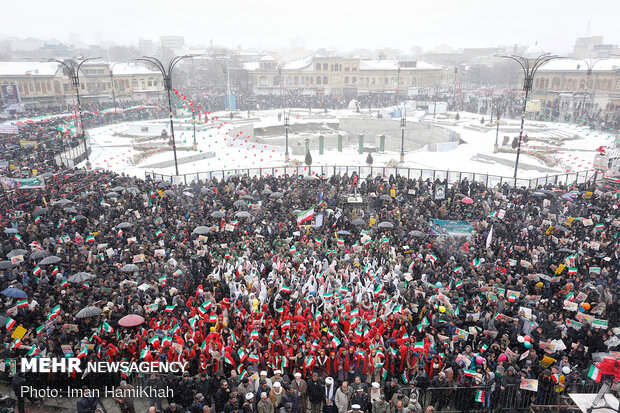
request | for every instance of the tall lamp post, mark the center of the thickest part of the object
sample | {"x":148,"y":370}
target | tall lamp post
{"x":530,"y":65}
{"x":496,"y":146}
{"x":397,"y":83}
{"x":403,"y":125}
{"x":194,"y":124}
{"x":112,"y":86}
{"x":590,"y":65}
{"x":73,"y":71}
{"x":167,"y":75}
{"x":286,"y":125}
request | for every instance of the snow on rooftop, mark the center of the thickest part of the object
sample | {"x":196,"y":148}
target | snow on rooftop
{"x":28,"y":68}
{"x":578,"y":64}
{"x":250,"y":66}
{"x":303,"y":63}
{"x":267,"y":59}
{"x":392,"y":65}
{"x":132,"y":69}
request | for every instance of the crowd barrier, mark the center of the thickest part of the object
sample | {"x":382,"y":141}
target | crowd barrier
{"x":363,"y":171}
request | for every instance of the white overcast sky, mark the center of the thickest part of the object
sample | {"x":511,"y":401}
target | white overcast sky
{"x":340,"y":24}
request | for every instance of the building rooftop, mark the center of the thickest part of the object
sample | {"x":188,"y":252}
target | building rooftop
{"x":28,"y":68}
{"x":393,"y":65}
{"x":132,"y":69}
{"x":305,"y":63}
{"x":580,"y":65}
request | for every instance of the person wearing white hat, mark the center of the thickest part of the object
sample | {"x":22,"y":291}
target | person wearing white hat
{"x":301,"y":386}
{"x":277,"y":377}
{"x":330,"y":396}
{"x":276,"y":394}
{"x":265,"y":405}
{"x":248,"y":406}
{"x":263,"y":376}
{"x":375,"y":392}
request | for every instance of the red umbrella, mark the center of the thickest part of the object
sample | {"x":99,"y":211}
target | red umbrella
{"x":467,"y":200}
{"x":131,"y":320}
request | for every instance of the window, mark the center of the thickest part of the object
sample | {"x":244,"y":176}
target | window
{"x":325,"y":67}
{"x":154,"y":82}
{"x":134,"y":83}
{"x":295,"y":80}
{"x":380,"y":81}
{"x":150,"y":83}
{"x":311,"y":80}
{"x":303,"y":80}
{"x":373,"y":80}
{"x":618,"y":84}
{"x":325,"y":81}
{"x":385,"y":81}
{"x":536,"y":82}
{"x":318,"y":67}
{"x":263,"y":81}
{"x":354,"y":69}
{"x":346,"y":68}
{"x":346,"y":80}
{"x":318,"y":80}
{"x":354,"y":80}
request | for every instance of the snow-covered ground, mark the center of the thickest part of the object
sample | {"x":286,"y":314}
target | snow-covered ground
{"x":116,"y":152}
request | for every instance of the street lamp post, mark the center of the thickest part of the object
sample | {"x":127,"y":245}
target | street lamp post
{"x":397,"y":83}
{"x":286,"y":125}
{"x":403,"y":125}
{"x":73,"y":70}
{"x":529,"y":65}
{"x":496,"y":146}
{"x":590,"y":64}
{"x":167,"y":75}
{"x":112,"y":86}
{"x":194,"y":124}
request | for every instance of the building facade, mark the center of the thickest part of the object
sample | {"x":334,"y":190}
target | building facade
{"x":346,"y":77}
{"x":48,"y":84}
{"x":593,"y":84}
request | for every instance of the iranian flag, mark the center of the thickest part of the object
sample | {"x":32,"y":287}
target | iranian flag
{"x":242,"y":354}
{"x":37,"y":270}
{"x":106,"y":327}
{"x":310,"y":361}
{"x":285,"y":289}
{"x":479,"y":396}
{"x":431,"y":257}
{"x":317,"y":241}
{"x":304,"y":216}
{"x":476,"y":263}
{"x":405,"y":377}
{"x":17,"y":237}
{"x":336,"y":342}
{"x":572,"y":271}
{"x":470,"y":373}
{"x":145,"y":351}
{"x":213,"y":318}
{"x":292,"y":250}
{"x":40,"y":330}
{"x":423,"y":324}
{"x":594,"y":374}
{"x":33,"y":351}
{"x":55,"y":270}
{"x":158,"y":233}
{"x":54,"y":312}
{"x":286,"y":325}
{"x":154,"y":341}
{"x":253,"y":358}
{"x":340,"y":241}
{"x":90,"y":238}
{"x":166,"y":340}
{"x":419,"y":345}
{"x":169,"y":308}
{"x":458,"y":284}
{"x":22,"y":303}
{"x":254,"y":335}
{"x":10,"y":323}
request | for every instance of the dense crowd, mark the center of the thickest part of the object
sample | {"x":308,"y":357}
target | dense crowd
{"x":281,"y":295}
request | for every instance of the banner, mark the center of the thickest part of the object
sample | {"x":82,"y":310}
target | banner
{"x":9,"y":129}
{"x":440,"y":191}
{"x":29,"y":183}
{"x":10,"y":94}
{"x":451,"y":228}
{"x":29,"y":144}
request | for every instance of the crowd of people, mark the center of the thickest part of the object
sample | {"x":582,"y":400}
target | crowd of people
{"x":283,"y":297}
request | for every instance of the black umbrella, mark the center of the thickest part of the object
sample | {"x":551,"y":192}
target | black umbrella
{"x":217,"y":214}
{"x":243,"y":214}
{"x":63,"y":202}
{"x":5,"y":265}
{"x":79,"y":217}
{"x":240,"y":203}
{"x":358,"y":222}
{"x":40,"y":211}
{"x":566,"y":250}
{"x":70,"y":210}
{"x":343,"y":232}
{"x":37,"y":255}
{"x":118,"y":188}
{"x":49,"y":260}
{"x":169,"y":192}
{"x":133,"y":190}
{"x":386,"y":224}
{"x":267,"y":191}
{"x":201,"y":230}
{"x":16,"y":252}
{"x":124,"y":225}
{"x":130,"y":268}
{"x":89,"y":312}
{"x":248,"y":197}
{"x":417,"y":234}
{"x":111,"y":195}
{"x":81,"y":277}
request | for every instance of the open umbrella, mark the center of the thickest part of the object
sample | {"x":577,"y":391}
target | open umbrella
{"x":240,"y":203}
{"x":124,"y":225}
{"x":111,"y":195}
{"x":70,"y":210}
{"x":267,"y":191}
{"x":243,"y":214}
{"x":417,"y":234}
{"x":16,"y":252}
{"x":275,"y":195}
{"x":164,"y":184}
{"x":37,"y":255}
{"x":467,"y":200}
{"x":358,"y":222}
{"x":310,"y":178}
{"x":14,"y":292}
{"x":131,"y":320}
{"x":217,"y":214}
{"x":204,"y":190}
{"x":40,"y":211}
{"x":46,"y":175}
{"x":5,"y":265}
{"x":89,"y":312}
{"x":248,"y":197}
{"x":343,"y":232}
{"x":133,"y":190}
{"x":118,"y":188}
{"x":566,"y":250}
{"x":49,"y":260}
{"x":79,"y":217}
{"x":11,"y":231}
{"x":169,"y":192}
{"x":63,"y":202}
{"x":189,"y":194}
{"x":385,"y":197}
{"x":562,"y":228}
{"x":80,"y":277}
{"x":386,"y":224}
{"x":130,"y":268}
{"x":201,"y":230}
